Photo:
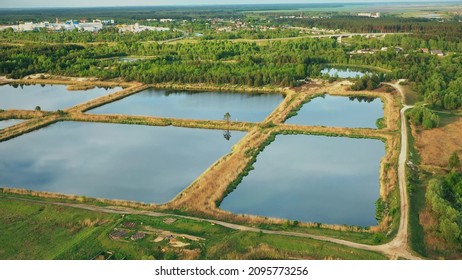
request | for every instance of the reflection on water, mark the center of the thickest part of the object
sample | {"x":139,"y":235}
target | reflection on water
{"x":328,"y":110}
{"x":195,"y":105}
{"x":227,"y":134}
{"x":313,"y":179}
{"x":47,"y":97}
{"x":344,"y":73}
{"x":129,"y":162}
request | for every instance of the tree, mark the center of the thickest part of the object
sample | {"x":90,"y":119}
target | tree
{"x":227,"y":117}
{"x":227,"y":133}
{"x":38,"y":109}
{"x":454,"y":161}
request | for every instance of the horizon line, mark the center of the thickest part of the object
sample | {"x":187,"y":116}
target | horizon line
{"x":224,"y":5}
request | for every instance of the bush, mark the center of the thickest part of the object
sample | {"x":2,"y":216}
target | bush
{"x":454,"y":161}
{"x":378,"y":238}
{"x":423,"y":116}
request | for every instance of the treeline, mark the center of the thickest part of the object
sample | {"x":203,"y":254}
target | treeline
{"x":424,"y":28}
{"x":73,"y":60}
{"x":439,"y":80}
{"x":278,"y":63}
{"x":369,"y":82}
{"x":444,"y":196}
{"x":281,"y":64}
{"x":110,"y":34}
{"x":252,"y":34}
{"x":409,"y":43}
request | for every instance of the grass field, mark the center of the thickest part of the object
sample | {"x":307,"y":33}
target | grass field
{"x":45,"y":231}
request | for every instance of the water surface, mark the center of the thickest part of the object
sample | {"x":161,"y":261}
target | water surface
{"x":343,"y":73}
{"x":340,"y":111}
{"x":195,"y":105}
{"x":312,"y":179}
{"x":129,"y":162}
{"x":48,"y":97}
{"x":8,"y":123}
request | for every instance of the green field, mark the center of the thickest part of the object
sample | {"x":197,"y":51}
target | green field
{"x":46,"y":231}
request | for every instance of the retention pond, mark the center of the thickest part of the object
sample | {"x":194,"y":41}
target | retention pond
{"x":128,"y":162}
{"x":330,"y":180}
{"x":194,"y":105}
{"x":47,"y":97}
{"x":340,"y":111}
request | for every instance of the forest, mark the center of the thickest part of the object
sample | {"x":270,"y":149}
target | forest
{"x":279,"y":63}
{"x":444,"y":196}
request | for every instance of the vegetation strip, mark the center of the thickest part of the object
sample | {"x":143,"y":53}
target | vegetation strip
{"x":381,"y":249}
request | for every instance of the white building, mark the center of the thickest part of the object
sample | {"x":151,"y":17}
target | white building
{"x":371,"y":15}
{"x":139,"y":28}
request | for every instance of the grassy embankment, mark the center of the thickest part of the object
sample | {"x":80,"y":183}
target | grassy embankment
{"x":416,"y":189}
{"x":43,"y":231}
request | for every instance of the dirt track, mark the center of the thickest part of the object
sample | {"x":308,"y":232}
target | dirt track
{"x":389,"y":249}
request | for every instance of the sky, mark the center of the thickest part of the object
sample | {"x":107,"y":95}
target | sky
{"x":112,"y":3}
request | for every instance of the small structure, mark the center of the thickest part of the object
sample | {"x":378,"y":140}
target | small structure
{"x":371,"y":15}
{"x":138,"y":236}
{"x":129,"y":224}
{"x":117,"y":234}
{"x":424,"y":50}
{"x":169,"y":221}
{"x":437,"y":52}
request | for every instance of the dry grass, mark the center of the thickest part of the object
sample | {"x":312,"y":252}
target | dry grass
{"x":436,"y":145}
{"x":158,"y":121}
{"x":80,"y":87}
{"x":27,"y":126}
{"x":22,"y":114}
{"x":107,"y":98}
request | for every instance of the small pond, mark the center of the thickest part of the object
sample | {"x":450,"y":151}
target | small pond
{"x":345,"y":73}
{"x":340,"y":111}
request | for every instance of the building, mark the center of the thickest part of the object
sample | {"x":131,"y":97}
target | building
{"x":94,"y":26}
{"x":90,"y":26}
{"x":371,"y":15}
{"x":424,"y":50}
{"x":27,"y":26}
{"x":135,"y":28}
{"x":437,"y":52}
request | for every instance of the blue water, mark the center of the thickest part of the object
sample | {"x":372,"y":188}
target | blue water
{"x":8,"y":123}
{"x":339,"y":111}
{"x":129,"y":162}
{"x":331,"y":180}
{"x":195,"y":105}
{"x":48,"y":97}
{"x":343,"y":73}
